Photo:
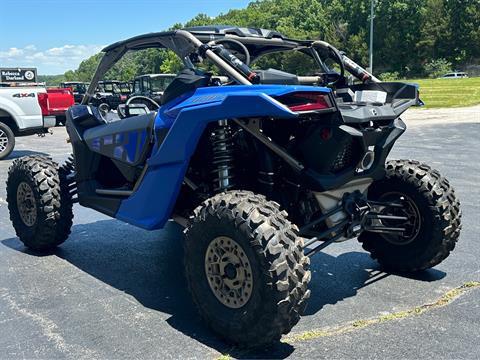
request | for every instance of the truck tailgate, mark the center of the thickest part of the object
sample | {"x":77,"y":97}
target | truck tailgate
{"x":59,"y":100}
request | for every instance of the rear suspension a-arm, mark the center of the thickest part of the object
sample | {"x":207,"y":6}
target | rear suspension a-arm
{"x":359,"y":216}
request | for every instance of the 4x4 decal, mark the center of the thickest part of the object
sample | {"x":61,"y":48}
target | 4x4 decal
{"x":23,"y":95}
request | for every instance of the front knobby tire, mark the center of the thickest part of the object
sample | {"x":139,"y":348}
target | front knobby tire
{"x":245,"y":268}
{"x":39,"y":202}
{"x":439,"y":217}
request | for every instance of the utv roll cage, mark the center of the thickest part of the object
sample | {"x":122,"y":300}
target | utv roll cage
{"x":182,"y":42}
{"x":197,"y":40}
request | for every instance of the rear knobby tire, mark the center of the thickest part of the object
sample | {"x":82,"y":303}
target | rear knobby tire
{"x":7,"y":141}
{"x":277,"y":267}
{"x":440,"y":217}
{"x":43,"y":219}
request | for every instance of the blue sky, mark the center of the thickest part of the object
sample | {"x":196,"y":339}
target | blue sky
{"x":55,"y":35}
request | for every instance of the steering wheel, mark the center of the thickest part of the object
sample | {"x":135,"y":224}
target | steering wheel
{"x":151,"y":104}
{"x":244,"y":50}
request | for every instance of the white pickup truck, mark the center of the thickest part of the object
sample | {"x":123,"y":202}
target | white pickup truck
{"x":23,"y":111}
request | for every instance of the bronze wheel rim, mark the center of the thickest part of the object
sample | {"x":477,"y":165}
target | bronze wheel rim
{"x":228,"y":271}
{"x":27,"y":207}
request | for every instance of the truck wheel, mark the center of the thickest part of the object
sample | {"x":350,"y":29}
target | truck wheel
{"x":39,"y":202}
{"x":7,"y":141}
{"x":245,"y":268}
{"x":434,"y":217}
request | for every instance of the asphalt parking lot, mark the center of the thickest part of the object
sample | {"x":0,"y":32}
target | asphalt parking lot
{"x":114,"y":291}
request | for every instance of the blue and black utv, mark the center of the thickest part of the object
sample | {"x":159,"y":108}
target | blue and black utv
{"x":264,"y":170}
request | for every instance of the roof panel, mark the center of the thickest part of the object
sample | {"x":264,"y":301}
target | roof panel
{"x":143,"y":41}
{"x":235,"y":30}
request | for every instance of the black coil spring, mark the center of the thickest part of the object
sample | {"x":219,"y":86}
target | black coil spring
{"x":222,"y":163}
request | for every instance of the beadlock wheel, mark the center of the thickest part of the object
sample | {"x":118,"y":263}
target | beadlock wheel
{"x":26,"y":204}
{"x":228,"y":272}
{"x":245,"y":268}
{"x":40,"y":201}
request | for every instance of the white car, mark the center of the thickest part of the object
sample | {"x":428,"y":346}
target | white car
{"x":454,"y":75}
{"x":23,"y":111}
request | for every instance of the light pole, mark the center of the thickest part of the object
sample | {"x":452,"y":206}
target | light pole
{"x":370,"y":50}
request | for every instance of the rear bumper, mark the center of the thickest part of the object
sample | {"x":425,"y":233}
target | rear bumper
{"x":57,"y":111}
{"x":49,"y":121}
{"x":36,"y":125}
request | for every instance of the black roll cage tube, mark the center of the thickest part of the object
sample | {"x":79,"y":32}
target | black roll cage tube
{"x":183,"y":43}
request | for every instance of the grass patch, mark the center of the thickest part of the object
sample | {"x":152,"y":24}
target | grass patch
{"x":223,"y":357}
{"x":446,"y":93}
{"x":444,"y":300}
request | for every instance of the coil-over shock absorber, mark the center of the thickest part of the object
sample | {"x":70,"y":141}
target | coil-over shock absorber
{"x":222,"y":149}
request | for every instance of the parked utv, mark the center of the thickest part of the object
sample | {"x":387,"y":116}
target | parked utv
{"x":108,"y":95}
{"x":261,"y":175}
{"x":150,"y":87}
{"x":125,"y":88}
{"x":78,"y":89}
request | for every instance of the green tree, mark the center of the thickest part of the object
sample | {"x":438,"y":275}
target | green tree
{"x":70,"y":75}
{"x":408,"y":34}
{"x":171,"y":64}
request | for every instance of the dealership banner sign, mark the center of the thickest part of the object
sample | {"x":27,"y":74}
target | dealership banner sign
{"x":26,"y":75}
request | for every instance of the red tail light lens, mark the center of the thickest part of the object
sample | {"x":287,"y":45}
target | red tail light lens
{"x":306,"y":101}
{"x":309,"y":101}
{"x":43,"y":102}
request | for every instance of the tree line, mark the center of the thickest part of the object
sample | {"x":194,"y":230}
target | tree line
{"x":412,"y":38}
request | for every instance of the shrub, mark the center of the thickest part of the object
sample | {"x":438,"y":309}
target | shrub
{"x":389,"y":76}
{"x":438,"y":67}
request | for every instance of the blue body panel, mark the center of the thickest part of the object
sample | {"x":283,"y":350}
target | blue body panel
{"x":186,"y":117}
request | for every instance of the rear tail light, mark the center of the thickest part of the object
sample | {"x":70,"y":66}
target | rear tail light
{"x":71,"y":98}
{"x":43,"y":102}
{"x":306,"y":101}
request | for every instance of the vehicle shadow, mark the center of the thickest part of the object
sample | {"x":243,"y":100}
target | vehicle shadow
{"x":149,"y":267}
{"x":335,"y":278}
